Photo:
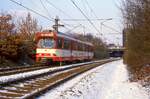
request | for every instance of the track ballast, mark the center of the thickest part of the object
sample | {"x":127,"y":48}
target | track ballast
{"x":33,"y":86}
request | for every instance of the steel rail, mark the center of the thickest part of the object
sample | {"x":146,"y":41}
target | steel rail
{"x":30,"y":87}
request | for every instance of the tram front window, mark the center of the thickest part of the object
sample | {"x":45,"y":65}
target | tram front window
{"x":46,"y":43}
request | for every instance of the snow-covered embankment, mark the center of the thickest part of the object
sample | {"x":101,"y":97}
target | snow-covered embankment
{"x":109,"y":81}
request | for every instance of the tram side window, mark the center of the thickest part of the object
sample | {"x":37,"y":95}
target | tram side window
{"x":66,"y":44}
{"x":78,"y":44}
{"x":87,"y":48}
{"x":82,"y":47}
{"x":75,"y":46}
{"x":59,"y":43}
{"x":90,"y":48}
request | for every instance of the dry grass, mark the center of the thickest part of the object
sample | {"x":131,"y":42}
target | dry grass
{"x":142,"y":76}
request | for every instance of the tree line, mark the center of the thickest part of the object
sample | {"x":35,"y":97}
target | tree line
{"x":136,"y":15}
{"x":16,"y":37}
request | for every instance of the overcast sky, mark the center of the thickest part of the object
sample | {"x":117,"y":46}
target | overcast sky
{"x":64,"y":9}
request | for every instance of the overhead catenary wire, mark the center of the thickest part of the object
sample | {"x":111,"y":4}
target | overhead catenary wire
{"x":45,"y":9}
{"x":85,"y":7}
{"x":53,"y":5}
{"x":97,"y":19}
{"x":92,"y":11}
{"x":74,"y":28}
{"x":110,"y":28}
{"x":43,"y":15}
{"x":31,"y":10}
{"x":91,"y":8}
{"x":50,"y":3}
{"x":86,"y":17}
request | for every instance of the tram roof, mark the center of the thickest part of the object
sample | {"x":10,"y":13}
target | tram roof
{"x":72,"y":38}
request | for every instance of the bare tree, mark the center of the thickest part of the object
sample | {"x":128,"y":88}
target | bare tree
{"x":137,"y":23}
{"x":8,"y":41}
{"x":28,"y":27}
{"x":6,"y":25}
{"x":17,"y":42}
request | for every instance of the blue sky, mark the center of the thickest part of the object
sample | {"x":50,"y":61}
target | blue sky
{"x":103,"y":9}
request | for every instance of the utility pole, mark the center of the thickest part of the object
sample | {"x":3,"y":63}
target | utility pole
{"x":57,"y":25}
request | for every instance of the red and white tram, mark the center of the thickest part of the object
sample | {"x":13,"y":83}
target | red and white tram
{"x":59,"y":47}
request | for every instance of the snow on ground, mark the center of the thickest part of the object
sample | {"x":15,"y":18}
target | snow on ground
{"x":4,"y":79}
{"x":108,"y":81}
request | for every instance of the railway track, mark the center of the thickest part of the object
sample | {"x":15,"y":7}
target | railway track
{"x":21,"y":69}
{"x":31,"y":87}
